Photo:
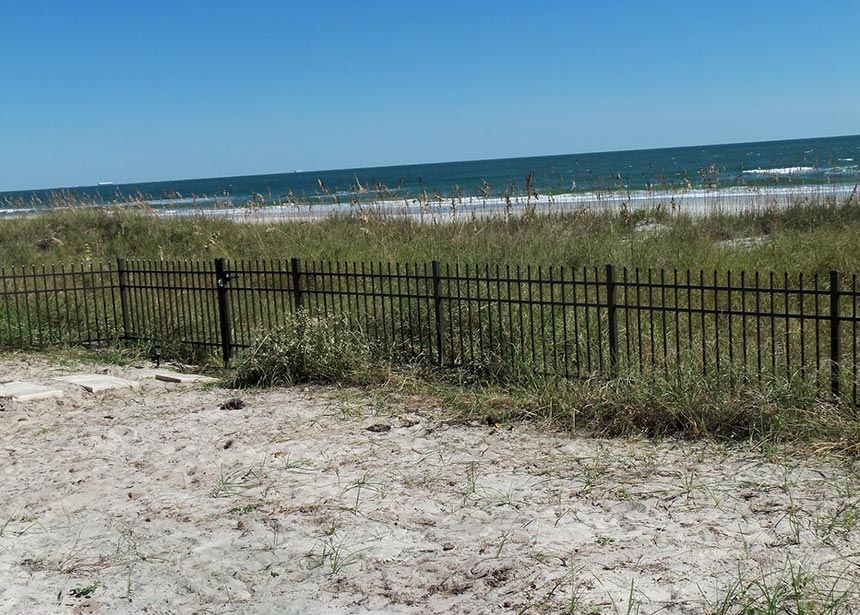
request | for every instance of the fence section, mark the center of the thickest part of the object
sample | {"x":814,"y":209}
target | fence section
{"x":493,"y":320}
{"x":48,"y":305}
{"x":526,"y":319}
{"x":739,"y":325}
{"x":393,"y":304}
{"x":169,"y":302}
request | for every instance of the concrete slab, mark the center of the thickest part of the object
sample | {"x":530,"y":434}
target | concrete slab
{"x":26,"y":391}
{"x":94,"y":383}
{"x":142,"y":373}
{"x":184,"y":378}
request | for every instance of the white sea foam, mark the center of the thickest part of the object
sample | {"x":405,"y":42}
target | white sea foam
{"x":779,"y":171}
{"x":693,"y":201}
{"x":844,"y":170}
{"x":689,"y":201}
{"x":185,"y":201}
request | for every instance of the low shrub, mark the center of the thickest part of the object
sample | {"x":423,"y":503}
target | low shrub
{"x":308,"y":348}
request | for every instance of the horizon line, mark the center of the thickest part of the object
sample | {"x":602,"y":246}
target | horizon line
{"x":416,"y":164}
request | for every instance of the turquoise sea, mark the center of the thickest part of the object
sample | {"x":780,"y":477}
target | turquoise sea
{"x":795,"y":164}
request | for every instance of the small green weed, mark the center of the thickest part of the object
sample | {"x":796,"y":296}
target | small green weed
{"x":334,"y":553}
{"x":84,"y":591}
{"x":244,"y":509}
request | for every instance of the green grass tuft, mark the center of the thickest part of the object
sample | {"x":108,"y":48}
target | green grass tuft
{"x":308,"y":348}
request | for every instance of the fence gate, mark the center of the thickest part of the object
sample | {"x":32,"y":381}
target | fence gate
{"x":171,"y":303}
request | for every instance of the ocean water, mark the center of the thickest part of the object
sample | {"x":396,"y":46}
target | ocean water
{"x":729,"y":169}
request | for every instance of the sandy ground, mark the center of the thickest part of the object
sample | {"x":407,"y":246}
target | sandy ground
{"x":161,"y":501}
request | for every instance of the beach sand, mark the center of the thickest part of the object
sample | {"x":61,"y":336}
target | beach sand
{"x":318,"y":500}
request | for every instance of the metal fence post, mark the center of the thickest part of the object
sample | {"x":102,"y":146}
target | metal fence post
{"x":222,"y":278}
{"x":296,"y":271}
{"x":123,"y":297}
{"x":835,"y":334}
{"x":437,"y":306}
{"x":612,"y":308}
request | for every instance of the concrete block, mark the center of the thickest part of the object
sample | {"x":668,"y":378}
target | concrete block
{"x":26,"y":391}
{"x":184,"y":378}
{"x":95,"y":383}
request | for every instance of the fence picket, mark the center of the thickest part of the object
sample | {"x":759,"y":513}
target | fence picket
{"x":835,"y":334}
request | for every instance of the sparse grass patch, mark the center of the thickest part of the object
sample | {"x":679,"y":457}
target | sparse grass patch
{"x":686,"y":405}
{"x":239,"y":480}
{"x":793,"y":590}
{"x":334,"y":552}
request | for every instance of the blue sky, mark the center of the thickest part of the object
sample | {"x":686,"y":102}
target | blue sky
{"x":136,"y":91}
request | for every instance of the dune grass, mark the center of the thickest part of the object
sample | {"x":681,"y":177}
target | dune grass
{"x":808,"y":236}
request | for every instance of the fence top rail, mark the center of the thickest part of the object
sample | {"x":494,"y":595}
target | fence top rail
{"x":624,"y":278}
{"x":322,"y":264}
{"x":47,"y":290}
{"x":53,"y":271}
{"x":744,"y":288}
{"x":199,"y":288}
{"x":133,"y":263}
{"x":169,"y":272}
{"x":491,"y":277}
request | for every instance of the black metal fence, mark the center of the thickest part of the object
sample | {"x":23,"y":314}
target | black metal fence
{"x":58,"y":304}
{"x":568,"y":322}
